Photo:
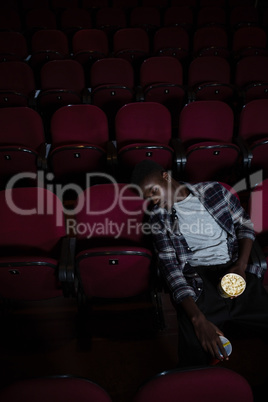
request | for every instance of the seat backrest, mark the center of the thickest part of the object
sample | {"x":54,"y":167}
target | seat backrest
{"x":253,"y":123}
{"x":75,"y":18}
{"x":50,"y":39}
{"x":131,"y":38}
{"x":112,"y":70}
{"x":17,"y":76}
{"x":112,"y":211}
{"x":62,"y":74}
{"x":10,"y":20}
{"x":243,"y":15}
{"x":32,"y":218}
{"x":21,"y":126}
{"x":58,"y":388}
{"x":206,"y":121}
{"x":196,"y":384}
{"x":143,"y":122}
{"x":145,"y":17}
{"x":206,"y":37}
{"x":86,"y":124}
{"x":249,"y":36}
{"x":13,"y":44}
{"x":211,"y":15}
{"x":162,"y":69}
{"x":90,"y":40}
{"x":179,"y":16}
{"x":258,"y":206}
{"x":40,"y":18}
{"x":251,"y":69}
{"x":171,"y":37}
{"x":111,"y":17}
{"x":209,"y":69}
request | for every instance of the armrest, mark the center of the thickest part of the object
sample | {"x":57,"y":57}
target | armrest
{"x":41,"y":160}
{"x":257,"y":255}
{"x":111,"y":156}
{"x":180,"y":157}
{"x":246,"y":151}
{"x":66,"y":270}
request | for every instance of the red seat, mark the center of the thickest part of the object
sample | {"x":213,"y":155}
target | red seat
{"x":161,"y":80}
{"x":113,"y":260}
{"x":112,"y":86}
{"x":22,"y":142}
{"x":251,"y":78}
{"x":131,"y":44}
{"x":206,"y":130}
{"x":61,"y":388}
{"x":146,"y":17}
{"x":48,"y":45}
{"x":211,"y":41}
{"x":89,"y":45}
{"x":253,"y":129}
{"x":10,"y":20}
{"x":62,"y":83}
{"x":110,"y":19}
{"x":200,"y":384}
{"x":209,"y":78}
{"x":17,"y":84}
{"x":39,"y":18}
{"x":211,"y":15}
{"x":179,"y":16}
{"x":249,"y":41}
{"x":13,"y":46}
{"x":143,"y":130}
{"x":33,"y":227}
{"x":243,"y":15}
{"x":79,"y":138}
{"x":172,"y":41}
{"x":74,"y":19}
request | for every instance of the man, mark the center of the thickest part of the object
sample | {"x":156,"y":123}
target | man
{"x":200,"y":232}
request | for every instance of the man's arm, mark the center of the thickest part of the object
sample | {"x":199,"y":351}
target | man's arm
{"x":239,"y":267}
{"x":207,"y":333}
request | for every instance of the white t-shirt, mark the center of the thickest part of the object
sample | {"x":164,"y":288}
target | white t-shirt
{"x":204,"y":236}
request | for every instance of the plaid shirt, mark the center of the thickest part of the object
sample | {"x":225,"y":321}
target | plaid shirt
{"x":172,"y":249}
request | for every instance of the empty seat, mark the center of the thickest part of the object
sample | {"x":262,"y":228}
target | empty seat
{"x":161,"y":80}
{"x":112,"y":86}
{"x":64,"y":388}
{"x":48,"y":45}
{"x":243,"y":15}
{"x":143,"y":130}
{"x":31,"y":240}
{"x":249,"y":41}
{"x":58,"y":6}
{"x":22,"y":142}
{"x":251,"y":78}
{"x":172,"y":41}
{"x":93,"y":5}
{"x":131,"y":44}
{"x":39,"y":18}
{"x":211,"y":15}
{"x":62,"y":83}
{"x":13,"y":46}
{"x":206,"y":130}
{"x":110,"y":19}
{"x":209,"y":78}
{"x":74,"y":19}
{"x":179,"y":16}
{"x":17,"y":84}
{"x":10,"y":20}
{"x":30,"y":4}
{"x":79,"y":142}
{"x":146,"y":17}
{"x":201,"y":383}
{"x":113,"y":261}
{"x":211,"y":41}
{"x":253,"y":129}
{"x":89,"y":45}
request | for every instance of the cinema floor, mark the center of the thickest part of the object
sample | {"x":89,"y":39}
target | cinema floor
{"x":117,"y":346}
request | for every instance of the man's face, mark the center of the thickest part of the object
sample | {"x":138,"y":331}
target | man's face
{"x":158,"y":189}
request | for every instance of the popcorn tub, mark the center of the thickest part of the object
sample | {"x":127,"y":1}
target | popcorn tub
{"x":232,"y":285}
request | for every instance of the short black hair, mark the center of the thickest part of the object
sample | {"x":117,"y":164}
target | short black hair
{"x":145,"y":168}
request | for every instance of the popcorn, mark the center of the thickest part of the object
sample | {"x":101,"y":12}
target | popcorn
{"x":232,"y":285}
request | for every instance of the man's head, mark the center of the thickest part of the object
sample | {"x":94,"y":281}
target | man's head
{"x":154,"y":182}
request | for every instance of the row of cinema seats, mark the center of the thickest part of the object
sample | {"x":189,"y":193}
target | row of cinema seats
{"x":111,"y":83}
{"x":172,"y":386}
{"x":206,"y":146}
{"x":149,"y":16}
{"x":98,"y":250}
{"x":136,"y":42}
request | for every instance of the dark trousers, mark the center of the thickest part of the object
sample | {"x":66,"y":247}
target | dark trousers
{"x":247,"y":315}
